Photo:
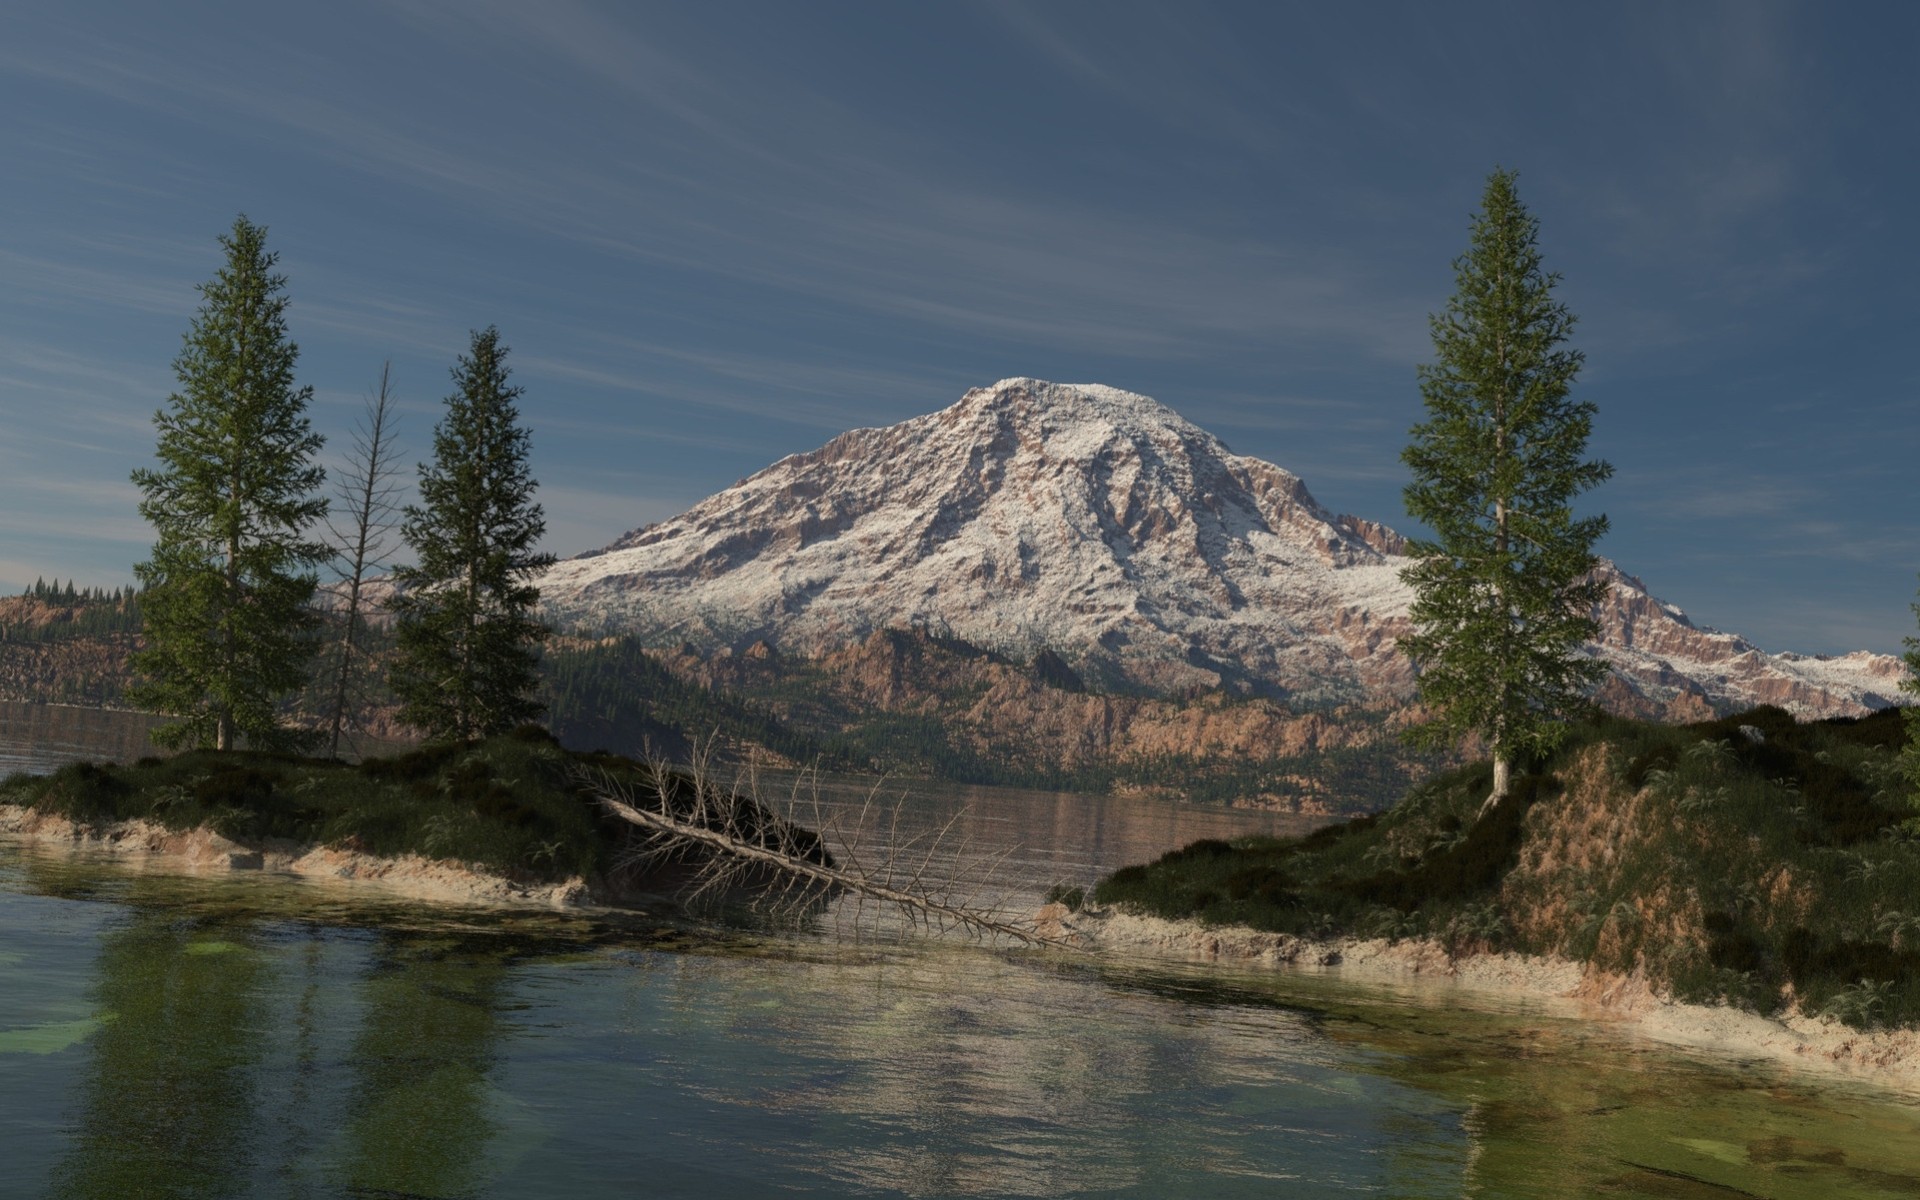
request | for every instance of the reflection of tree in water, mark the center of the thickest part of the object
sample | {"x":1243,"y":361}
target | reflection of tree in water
{"x":418,"y":1123}
{"x":948,"y":1072}
{"x":169,"y":1101}
{"x":230,"y":1062}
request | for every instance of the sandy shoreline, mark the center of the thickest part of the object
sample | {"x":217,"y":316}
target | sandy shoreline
{"x":1885,"y":1057}
{"x":202,"y":851}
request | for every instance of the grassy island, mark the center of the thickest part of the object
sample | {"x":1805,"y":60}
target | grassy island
{"x":518,"y":806}
{"x":1753,"y":860}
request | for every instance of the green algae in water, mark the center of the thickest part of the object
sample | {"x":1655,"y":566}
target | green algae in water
{"x":212,"y":947}
{"x":392,"y":1051}
{"x":51,"y":1038}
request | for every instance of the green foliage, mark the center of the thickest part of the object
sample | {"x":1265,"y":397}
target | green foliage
{"x":227,"y":587}
{"x":80,"y":613}
{"x":1074,"y":897}
{"x":1503,"y":594}
{"x":513,"y":804}
{"x":468,"y":661}
{"x":611,"y":693}
{"x":1249,"y":881}
{"x":1459,"y":869}
{"x":85,"y":613}
{"x":1751,"y":859}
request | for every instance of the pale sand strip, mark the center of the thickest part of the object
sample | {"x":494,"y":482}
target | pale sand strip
{"x":1887,"y":1057}
{"x":202,"y":851}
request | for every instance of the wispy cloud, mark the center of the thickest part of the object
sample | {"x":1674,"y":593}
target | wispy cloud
{"x":586,"y":518}
{"x":1720,"y":498}
{"x":720,"y":235}
{"x":833,"y":207}
{"x":51,"y":280}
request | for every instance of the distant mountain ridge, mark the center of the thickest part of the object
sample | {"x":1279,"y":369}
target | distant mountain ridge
{"x":1102,"y":526}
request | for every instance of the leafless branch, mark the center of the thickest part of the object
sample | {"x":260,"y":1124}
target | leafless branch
{"x":369,"y":490}
{"x":737,"y":844}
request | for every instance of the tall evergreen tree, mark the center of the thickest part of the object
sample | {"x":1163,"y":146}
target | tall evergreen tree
{"x":468,"y":642}
{"x":1503,"y":593}
{"x":226,"y":592}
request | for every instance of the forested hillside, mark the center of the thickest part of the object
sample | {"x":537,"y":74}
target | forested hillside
{"x":903,"y":703}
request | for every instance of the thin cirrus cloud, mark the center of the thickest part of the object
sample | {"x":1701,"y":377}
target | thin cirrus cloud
{"x":835,"y":222}
{"x":69,"y":283}
{"x":812,"y":394}
{"x":728,"y":233}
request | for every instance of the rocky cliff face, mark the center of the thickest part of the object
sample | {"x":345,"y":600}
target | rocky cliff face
{"x":1101,"y":526}
{"x":47,"y":657}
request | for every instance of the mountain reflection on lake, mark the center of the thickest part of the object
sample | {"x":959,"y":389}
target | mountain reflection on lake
{"x":259,"y":1037}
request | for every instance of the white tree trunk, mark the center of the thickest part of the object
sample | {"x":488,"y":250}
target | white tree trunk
{"x":1502,"y":778}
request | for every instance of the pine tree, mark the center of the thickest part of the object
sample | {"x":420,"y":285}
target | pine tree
{"x":225,"y":595}
{"x":1504,"y":592}
{"x":467,"y":643}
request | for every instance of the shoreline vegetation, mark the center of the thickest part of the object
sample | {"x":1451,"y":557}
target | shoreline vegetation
{"x":513,"y":819}
{"x":1743,"y":886}
{"x":1752,"y":880}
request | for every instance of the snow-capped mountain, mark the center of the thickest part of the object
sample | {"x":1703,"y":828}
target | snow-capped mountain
{"x":1102,"y":525}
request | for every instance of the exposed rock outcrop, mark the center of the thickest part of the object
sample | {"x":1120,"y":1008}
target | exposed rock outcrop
{"x":1101,"y":527}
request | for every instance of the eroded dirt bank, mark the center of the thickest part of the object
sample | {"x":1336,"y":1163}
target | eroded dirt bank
{"x":1886,"y":1056}
{"x":203,"y":851}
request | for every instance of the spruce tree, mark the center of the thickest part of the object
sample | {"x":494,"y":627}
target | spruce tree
{"x":1504,"y":594}
{"x":467,"y":640}
{"x":225,"y":595}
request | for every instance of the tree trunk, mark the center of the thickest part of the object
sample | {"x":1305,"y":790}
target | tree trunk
{"x":1501,"y":766}
{"x":346,"y":663}
{"x":366,"y":477}
{"x":229,"y":651}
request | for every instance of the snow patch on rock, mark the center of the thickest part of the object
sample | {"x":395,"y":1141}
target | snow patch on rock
{"x":1104,"y":526}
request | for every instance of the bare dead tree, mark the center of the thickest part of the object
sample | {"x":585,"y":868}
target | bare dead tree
{"x":368,"y":491}
{"x":739,"y":845}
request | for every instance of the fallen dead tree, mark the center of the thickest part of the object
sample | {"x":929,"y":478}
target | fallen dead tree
{"x":737,"y":846}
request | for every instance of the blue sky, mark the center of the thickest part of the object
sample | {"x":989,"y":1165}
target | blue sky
{"x":718,"y":233}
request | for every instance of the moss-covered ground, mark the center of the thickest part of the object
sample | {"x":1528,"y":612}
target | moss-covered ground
{"x":1754,"y":860}
{"x":517,"y":805}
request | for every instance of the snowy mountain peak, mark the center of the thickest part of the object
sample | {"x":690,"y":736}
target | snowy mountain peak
{"x":1104,"y":526}
{"x":1062,"y":406}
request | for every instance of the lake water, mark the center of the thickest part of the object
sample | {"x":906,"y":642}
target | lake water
{"x":254,"y":1037}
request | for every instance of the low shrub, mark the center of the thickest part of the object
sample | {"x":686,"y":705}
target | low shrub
{"x":513,"y":804}
{"x":1074,"y":898}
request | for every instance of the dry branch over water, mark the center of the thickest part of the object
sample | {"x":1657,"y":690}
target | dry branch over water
{"x":518,"y":819}
{"x":787,"y":869}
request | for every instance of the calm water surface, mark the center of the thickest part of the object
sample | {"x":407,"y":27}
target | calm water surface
{"x":255,"y":1037}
